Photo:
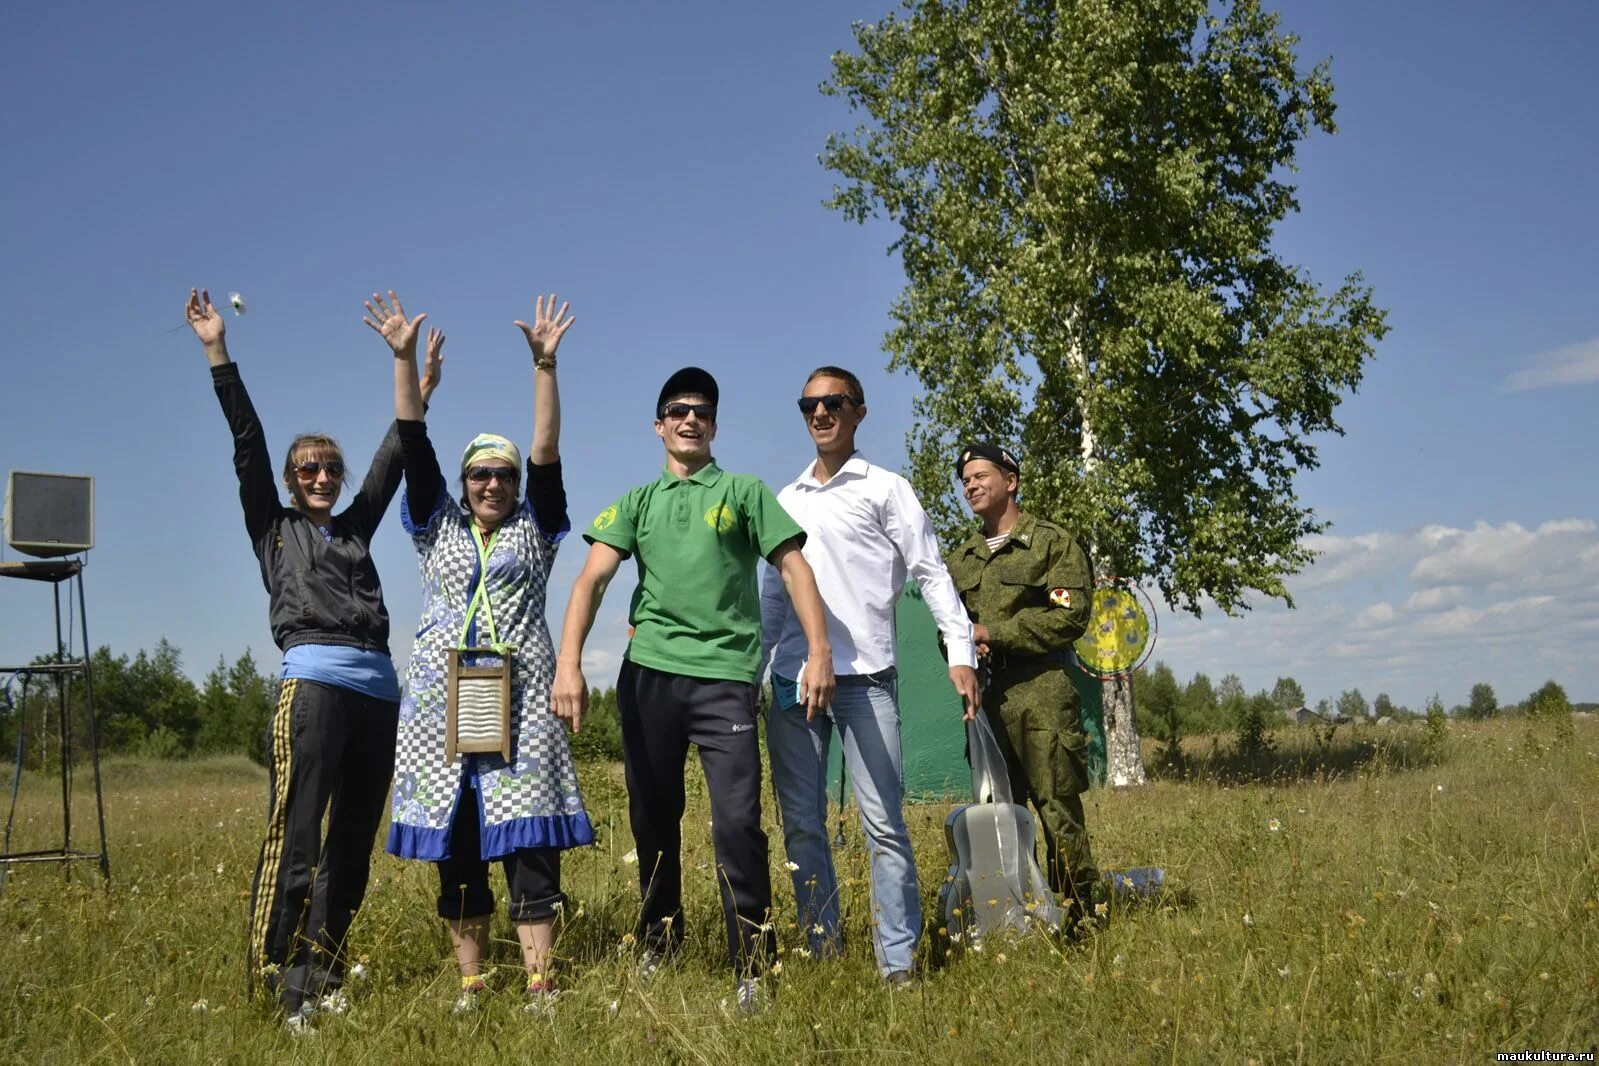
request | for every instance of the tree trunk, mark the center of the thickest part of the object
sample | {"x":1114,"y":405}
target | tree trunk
{"x":1124,"y":757}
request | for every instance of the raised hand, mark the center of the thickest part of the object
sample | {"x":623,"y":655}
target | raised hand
{"x":544,"y":335}
{"x":433,"y":368}
{"x":392,"y":324}
{"x":203,"y":318}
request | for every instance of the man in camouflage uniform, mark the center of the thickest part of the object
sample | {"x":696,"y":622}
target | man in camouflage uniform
{"x":1026,"y":584}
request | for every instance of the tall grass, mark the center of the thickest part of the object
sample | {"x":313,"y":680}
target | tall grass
{"x":1384,"y":909}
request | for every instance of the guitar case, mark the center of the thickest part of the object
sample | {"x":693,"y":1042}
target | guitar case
{"x":994,"y":885}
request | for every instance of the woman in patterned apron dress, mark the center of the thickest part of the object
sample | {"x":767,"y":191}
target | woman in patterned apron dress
{"x":485,"y":562}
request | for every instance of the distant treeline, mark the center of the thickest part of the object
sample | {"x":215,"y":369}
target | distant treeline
{"x":148,"y":706}
{"x":1167,"y":707}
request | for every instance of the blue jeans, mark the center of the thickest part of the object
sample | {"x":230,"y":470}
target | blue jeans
{"x":867,"y":715}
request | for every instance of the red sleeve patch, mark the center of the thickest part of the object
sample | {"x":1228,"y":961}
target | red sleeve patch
{"x":1060,"y":598}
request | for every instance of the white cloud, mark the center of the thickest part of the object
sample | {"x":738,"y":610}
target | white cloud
{"x":1575,"y":364}
{"x":1434,"y":598}
{"x":1488,"y":553}
{"x":1378,"y":614}
{"x":1342,"y":559}
{"x":1434,"y":609}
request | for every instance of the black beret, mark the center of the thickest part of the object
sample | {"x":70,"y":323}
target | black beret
{"x":1000,"y":457}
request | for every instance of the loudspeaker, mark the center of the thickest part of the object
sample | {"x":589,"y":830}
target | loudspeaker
{"x":49,"y":514}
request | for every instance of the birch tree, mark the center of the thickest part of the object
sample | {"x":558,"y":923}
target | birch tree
{"x":1085,"y":193}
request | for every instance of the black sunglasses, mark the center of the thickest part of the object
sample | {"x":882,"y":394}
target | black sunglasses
{"x":481,"y":475}
{"x":308,"y":470}
{"x":706,"y":411}
{"x":833,"y":401}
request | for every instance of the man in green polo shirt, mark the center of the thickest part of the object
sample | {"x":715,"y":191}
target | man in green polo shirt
{"x":689,"y":676}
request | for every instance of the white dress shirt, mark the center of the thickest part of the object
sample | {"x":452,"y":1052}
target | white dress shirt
{"x":865,"y":533}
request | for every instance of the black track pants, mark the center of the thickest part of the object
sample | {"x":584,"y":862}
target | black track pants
{"x":662,"y":714}
{"x":331,"y":751}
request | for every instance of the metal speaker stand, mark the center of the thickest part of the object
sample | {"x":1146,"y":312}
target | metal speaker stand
{"x":63,"y":670}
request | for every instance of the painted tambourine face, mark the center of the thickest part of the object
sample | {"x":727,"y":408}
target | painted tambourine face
{"x":1121,"y":630}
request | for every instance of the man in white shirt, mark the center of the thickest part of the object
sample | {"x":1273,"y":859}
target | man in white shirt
{"x":866,"y":533}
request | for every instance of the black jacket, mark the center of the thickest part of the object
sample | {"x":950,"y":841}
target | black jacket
{"x":322,"y":591}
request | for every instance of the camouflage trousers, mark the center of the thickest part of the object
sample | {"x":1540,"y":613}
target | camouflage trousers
{"x":1036,"y":717}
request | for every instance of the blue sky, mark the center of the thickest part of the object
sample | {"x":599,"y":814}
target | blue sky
{"x":656,"y":164}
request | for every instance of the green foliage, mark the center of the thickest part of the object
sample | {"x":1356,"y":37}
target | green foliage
{"x":1169,"y":710}
{"x":601,"y":734}
{"x":1255,"y":717}
{"x":1160,"y":714}
{"x":1230,"y":690}
{"x":1201,"y":708}
{"x":1437,"y":728}
{"x":1287,"y":694}
{"x":256,"y":697}
{"x":148,"y":706}
{"x":160,"y":743}
{"x":1086,"y":196}
{"x":1352,"y":704}
{"x":1549,"y":703}
{"x":1383,"y":707}
{"x":1483,"y":702}
{"x":1549,"y":700}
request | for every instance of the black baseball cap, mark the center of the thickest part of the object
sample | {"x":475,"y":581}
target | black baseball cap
{"x":1000,"y":457}
{"x":690,"y":381}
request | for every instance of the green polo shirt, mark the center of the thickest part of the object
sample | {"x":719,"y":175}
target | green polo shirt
{"x":697,"y":608}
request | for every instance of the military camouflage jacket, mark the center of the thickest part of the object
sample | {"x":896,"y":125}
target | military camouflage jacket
{"x":1032,"y":594}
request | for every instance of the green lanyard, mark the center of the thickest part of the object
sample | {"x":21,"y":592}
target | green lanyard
{"x":480,"y":595}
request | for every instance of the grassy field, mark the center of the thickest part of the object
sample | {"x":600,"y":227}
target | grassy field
{"x":1399,"y":911}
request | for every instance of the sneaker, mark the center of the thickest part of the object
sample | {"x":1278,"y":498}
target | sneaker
{"x":473,"y":989}
{"x":898,"y":980}
{"x":750,"y":996}
{"x":650,"y":962}
{"x":540,"y":996}
{"x":299,"y":1023}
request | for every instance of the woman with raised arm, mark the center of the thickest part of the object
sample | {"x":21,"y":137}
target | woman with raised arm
{"x":485,"y":561}
{"x":331,"y":744}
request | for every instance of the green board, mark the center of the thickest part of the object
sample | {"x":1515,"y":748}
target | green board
{"x":932,"y":738}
